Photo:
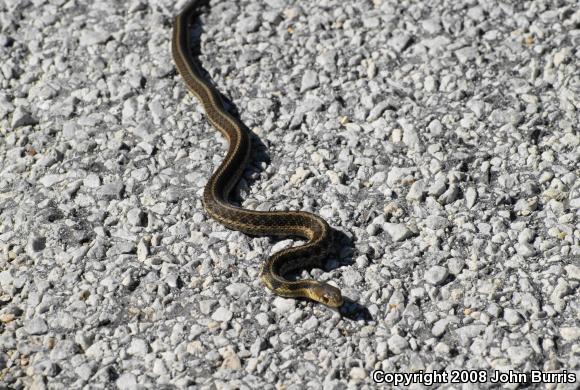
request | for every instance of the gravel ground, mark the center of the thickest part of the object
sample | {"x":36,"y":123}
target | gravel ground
{"x":439,"y":139}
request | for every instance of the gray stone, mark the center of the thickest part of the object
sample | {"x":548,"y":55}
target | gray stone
{"x":410,"y":134}
{"x":397,"y":231}
{"x":263,"y":319}
{"x":36,"y":326}
{"x":50,"y":180}
{"x":138,"y":347}
{"x":435,"y":127}
{"x":238,"y":289}
{"x":310,"y":324}
{"x":357,"y":373}
{"x":112,"y":190}
{"x":450,"y":195}
{"x":45,"y":367}
{"x":436,"y":275}
{"x":90,"y":37}
{"x":222,"y":314}
{"x":573,"y":271}
{"x":526,"y":236}
{"x":511,"y":316}
{"x":561,"y":56}
{"x":431,"y":26}
{"x":435,"y":222}
{"x":248,"y":25}
{"x":439,"y":327}
{"x":397,"y":344}
{"x":206,"y":306}
{"x":519,"y":354}
{"x":470,"y":197}
{"x":399,"y":41}
{"x":142,"y":250}
{"x":372,"y":229}
{"x":284,"y":305}
{"x":126,"y":381}
{"x":417,"y":191}
{"x":561,"y":289}
{"x":525,"y":250}
{"x":570,"y":333}
{"x":21,"y":117}
{"x":431,"y":84}
{"x":351,"y":277}
{"x":231,"y":361}
{"x":257,"y":346}
{"x":378,"y":110}
{"x":85,"y":371}
{"x":438,"y":187}
{"x":258,"y":105}
{"x":136,"y":217}
{"x":466,"y":54}
{"x":468,"y":332}
{"x":309,"y":80}
{"x":455,"y":265}
{"x":64,"y":349}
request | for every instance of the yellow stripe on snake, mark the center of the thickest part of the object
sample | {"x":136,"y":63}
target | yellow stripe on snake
{"x":217,"y":191}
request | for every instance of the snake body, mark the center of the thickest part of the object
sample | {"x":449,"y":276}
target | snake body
{"x":217,"y":191}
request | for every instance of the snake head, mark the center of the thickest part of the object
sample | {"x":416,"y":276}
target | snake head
{"x":327,"y":295}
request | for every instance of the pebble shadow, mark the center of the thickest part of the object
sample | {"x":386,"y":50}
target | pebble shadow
{"x":351,"y":309}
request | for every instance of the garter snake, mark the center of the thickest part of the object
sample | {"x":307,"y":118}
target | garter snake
{"x":217,"y":191}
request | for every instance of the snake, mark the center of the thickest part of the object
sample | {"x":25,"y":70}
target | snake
{"x":313,"y":229}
